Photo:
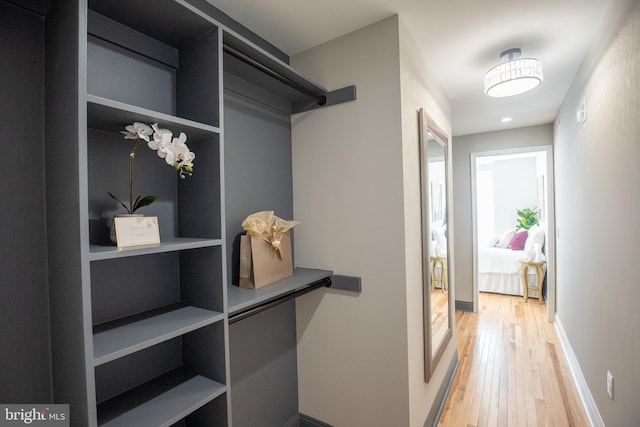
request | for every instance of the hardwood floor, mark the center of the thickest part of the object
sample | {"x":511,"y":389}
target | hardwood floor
{"x":439,"y":316}
{"x":512,"y":369}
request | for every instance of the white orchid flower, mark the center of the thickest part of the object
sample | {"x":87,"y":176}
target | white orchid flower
{"x":188,"y":158}
{"x":178,"y":150}
{"x":170,"y":157}
{"x":137,"y":130}
{"x":180,"y":140}
{"x":173,"y":150}
{"x":161,"y":140}
{"x":185,"y":159}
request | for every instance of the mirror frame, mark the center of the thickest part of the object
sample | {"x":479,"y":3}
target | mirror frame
{"x":431,"y":358}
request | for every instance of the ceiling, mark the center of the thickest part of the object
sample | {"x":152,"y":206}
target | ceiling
{"x":460,"y":40}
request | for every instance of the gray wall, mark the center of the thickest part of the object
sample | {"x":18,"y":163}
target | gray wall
{"x":263,"y":365}
{"x":348,"y":187}
{"x":463,"y":147}
{"x":24,"y":314}
{"x":357,"y":181}
{"x":597,"y":207}
{"x":257,"y":162}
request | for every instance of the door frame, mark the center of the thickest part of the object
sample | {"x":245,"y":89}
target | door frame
{"x":550,"y":237}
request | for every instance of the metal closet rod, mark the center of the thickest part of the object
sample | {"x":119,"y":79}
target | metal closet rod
{"x":326,"y":282}
{"x":321,"y":99}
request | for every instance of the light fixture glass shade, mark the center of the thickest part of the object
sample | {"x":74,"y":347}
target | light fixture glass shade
{"x":513,"y":77}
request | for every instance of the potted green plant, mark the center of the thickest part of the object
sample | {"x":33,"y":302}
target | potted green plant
{"x":527,"y":218}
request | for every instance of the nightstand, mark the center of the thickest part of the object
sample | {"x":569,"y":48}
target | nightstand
{"x":434,"y":260}
{"x":524,"y":269}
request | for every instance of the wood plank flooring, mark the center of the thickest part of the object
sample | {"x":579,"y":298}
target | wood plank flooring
{"x":512,"y":369}
{"x":439,"y":316}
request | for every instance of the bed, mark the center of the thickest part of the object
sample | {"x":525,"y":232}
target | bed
{"x":499,"y":266}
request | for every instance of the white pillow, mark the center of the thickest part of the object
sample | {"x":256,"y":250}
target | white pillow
{"x":540,"y":257}
{"x":505,"y":239}
{"x":536,"y":235}
{"x":493,"y":241}
{"x":438,"y":235}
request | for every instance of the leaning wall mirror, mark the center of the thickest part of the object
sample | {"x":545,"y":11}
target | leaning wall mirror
{"x":435,"y":277}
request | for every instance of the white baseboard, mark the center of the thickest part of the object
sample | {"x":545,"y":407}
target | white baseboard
{"x":581,"y":383}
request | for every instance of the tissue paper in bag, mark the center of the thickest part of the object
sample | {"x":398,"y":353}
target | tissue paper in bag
{"x":265,"y":251}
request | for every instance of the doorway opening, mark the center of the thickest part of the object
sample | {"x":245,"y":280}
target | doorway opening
{"x":504,"y":182}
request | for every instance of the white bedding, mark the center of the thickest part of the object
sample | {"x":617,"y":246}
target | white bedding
{"x":499,"y":271}
{"x":498,"y":260}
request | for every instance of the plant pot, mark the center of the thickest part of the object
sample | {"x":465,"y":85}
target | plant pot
{"x":112,"y":226}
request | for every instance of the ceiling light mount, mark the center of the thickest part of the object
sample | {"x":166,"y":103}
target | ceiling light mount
{"x":513,"y":76}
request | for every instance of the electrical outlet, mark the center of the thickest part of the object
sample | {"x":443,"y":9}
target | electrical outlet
{"x":610,"y":384}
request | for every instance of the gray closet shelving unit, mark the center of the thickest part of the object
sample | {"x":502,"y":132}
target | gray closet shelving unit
{"x":140,"y":336}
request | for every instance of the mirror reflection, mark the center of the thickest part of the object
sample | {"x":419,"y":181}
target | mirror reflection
{"x":438,"y":246}
{"x":433,"y":173}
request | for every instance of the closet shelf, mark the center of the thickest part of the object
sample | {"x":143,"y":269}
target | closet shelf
{"x":98,"y":253}
{"x":129,"y":338}
{"x":161,"y":402}
{"x":175,"y":23}
{"x":112,"y":116}
{"x":242,"y":300}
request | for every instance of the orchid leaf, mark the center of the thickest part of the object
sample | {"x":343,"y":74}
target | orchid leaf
{"x":119,"y":201}
{"x":142,"y":202}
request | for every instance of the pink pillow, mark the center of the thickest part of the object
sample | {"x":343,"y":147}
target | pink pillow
{"x":518,"y":241}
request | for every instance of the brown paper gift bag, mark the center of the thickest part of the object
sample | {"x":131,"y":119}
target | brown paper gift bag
{"x":260,"y":263}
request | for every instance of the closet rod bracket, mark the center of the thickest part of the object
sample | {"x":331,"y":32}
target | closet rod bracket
{"x":334,"y":97}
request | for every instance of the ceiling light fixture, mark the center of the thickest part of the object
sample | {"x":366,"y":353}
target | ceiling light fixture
{"x":513,"y":76}
{"x":505,"y":119}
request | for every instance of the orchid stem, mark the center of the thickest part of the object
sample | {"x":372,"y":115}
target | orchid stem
{"x":131,"y":157}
